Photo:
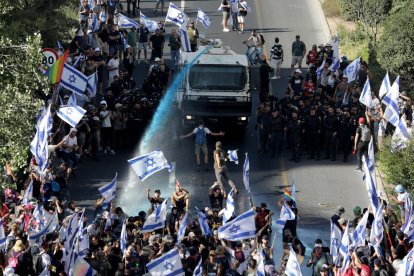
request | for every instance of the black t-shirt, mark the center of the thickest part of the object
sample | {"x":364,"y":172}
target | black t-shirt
{"x":225,"y":3}
{"x":143,"y":35}
{"x":155,"y":202}
{"x":113,"y":42}
{"x":157,"y":41}
{"x":216,"y":202}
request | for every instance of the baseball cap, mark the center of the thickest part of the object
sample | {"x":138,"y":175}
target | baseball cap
{"x":157,"y":59}
{"x":361,"y":120}
{"x":298,"y":71}
{"x":103,"y":103}
{"x":97,"y":49}
{"x":324,"y":268}
{"x":73,"y":129}
{"x":399,"y":188}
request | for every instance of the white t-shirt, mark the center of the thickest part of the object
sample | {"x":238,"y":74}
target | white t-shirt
{"x":205,"y":129}
{"x":106,"y":122}
{"x":402,"y":198}
{"x":243,"y":265}
{"x":45,"y":264}
{"x":113,"y":63}
{"x":70,"y":142}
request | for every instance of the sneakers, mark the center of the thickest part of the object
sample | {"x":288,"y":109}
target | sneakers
{"x":111,"y":152}
{"x":278,"y":77}
{"x":273,"y":78}
{"x":226,"y":30}
{"x":358,"y":170}
{"x":105,"y":152}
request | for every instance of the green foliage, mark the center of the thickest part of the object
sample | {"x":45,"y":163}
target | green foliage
{"x":352,"y":43}
{"x":396,"y":46}
{"x":19,"y":78}
{"x":53,"y":19}
{"x":331,"y":8}
{"x":397,"y":166}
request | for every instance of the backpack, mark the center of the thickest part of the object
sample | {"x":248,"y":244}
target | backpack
{"x":201,"y":136}
{"x":14,"y":259}
{"x":37,"y":263}
{"x":262,"y":39}
{"x":365,"y":134}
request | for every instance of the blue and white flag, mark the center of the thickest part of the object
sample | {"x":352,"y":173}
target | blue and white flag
{"x":346,"y":263}
{"x":203,"y":222}
{"x":292,"y":265}
{"x":71,"y":114}
{"x":73,"y":79}
{"x":246,"y":173}
{"x":126,"y":23}
{"x":123,"y":238}
{"x":92,"y":85}
{"x":392,"y":112}
{"x":60,"y":48}
{"x":385,"y":86}
{"x":336,"y":61}
{"x":408,"y":226}
{"x":185,"y":40}
{"x":124,"y":42}
{"x":241,"y":228}
{"x":233,"y":156}
{"x":198,"y":271}
{"x":285,"y":214}
{"x":108,"y":191}
{"x":293,"y":190}
{"x":78,"y":59}
{"x":182,"y":228}
{"x":407,"y":265}
{"x":320,"y":69}
{"x":228,"y":212}
{"x":360,"y":232}
{"x":261,"y":263}
{"x":28,"y":194}
{"x":366,"y":97}
{"x":157,"y":218}
{"x":203,"y":18}
{"x":69,"y":235}
{"x":109,"y":221}
{"x":72,"y":100}
{"x":377,"y":229}
{"x":43,"y":223}
{"x":336,"y":237}
{"x":246,"y":6}
{"x":370,"y":186}
{"x":345,"y":242}
{"x":371,"y":155}
{"x":176,"y":15}
{"x":38,"y":146}
{"x":2,"y":236}
{"x":95,"y":24}
{"x":167,"y":264}
{"x":147,"y":164}
{"x":352,"y":69}
{"x":400,"y":136}
{"x":150,"y":24}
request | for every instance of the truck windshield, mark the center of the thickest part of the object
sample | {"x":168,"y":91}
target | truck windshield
{"x":217,"y":77}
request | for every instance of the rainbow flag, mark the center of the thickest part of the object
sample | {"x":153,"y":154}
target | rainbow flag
{"x":55,"y":71}
{"x":287,"y":194}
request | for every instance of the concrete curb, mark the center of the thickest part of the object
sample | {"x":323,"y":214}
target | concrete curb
{"x":325,"y":25}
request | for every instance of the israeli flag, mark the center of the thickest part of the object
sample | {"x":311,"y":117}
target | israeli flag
{"x":78,"y":59}
{"x":228,"y":212}
{"x":352,"y":69}
{"x":293,"y":191}
{"x":73,"y":79}
{"x":2,"y":236}
{"x":126,"y":22}
{"x":408,"y":227}
{"x":285,"y":214}
{"x":147,"y":164}
{"x":320,"y":69}
{"x":366,"y":97}
{"x":241,"y":228}
{"x":182,"y":32}
{"x":360,"y":232}
{"x":38,"y":146}
{"x":377,"y":228}
{"x":400,"y":136}
{"x":385,"y":86}
{"x":246,"y":173}
{"x":108,"y":191}
{"x":392,"y":112}
{"x":182,"y":228}
{"x":292,"y":265}
{"x":261,"y":263}
{"x":28,"y":194}
{"x":95,"y":24}
{"x":198,"y":271}
{"x":123,"y":239}
{"x":60,"y":48}
{"x":345,"y":242}
{"x":45,"y":223}
{"x":346,"y":263}
{"x":246,"y":6}
{"x":203,"y":18}
{"x":150,"y":24}
{"x":157,"y":219}
{"x":370,"y":186}
{"x":203,"y":222}
{"x":71,"y":114}
{"x":124,"y":42}
{"x":336,"y":237}
{"x":69,"y":235}
{"x":233,"y":156}
{"x":407,"y":265}
{"x":336,"y":60}
{"x":176,"y":15}
{"x":92,"y":85}
{"x":168,"y":264}
{"x":371,"y":155}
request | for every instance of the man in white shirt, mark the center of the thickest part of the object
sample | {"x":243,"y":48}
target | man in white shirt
{"x":106,"y":128}
{"x":70,"y":146}
{"x":113,"y":67}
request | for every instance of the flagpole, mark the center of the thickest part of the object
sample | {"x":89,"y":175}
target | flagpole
{"x":274,"y":239}
{"x":387,"y":231}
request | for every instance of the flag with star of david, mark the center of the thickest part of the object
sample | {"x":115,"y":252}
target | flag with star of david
{"x":336,"y":237}
{"x":157,"y":218}
{"x":73,"y":80}
{"x":43,"y":223}
{"x":203,"y":18}
{"x":377,"y":229}
{"x":147,"y":164}
{"x":108,"y":191}
{"x":285,"y":214}
{"x":176,"y":15}
{"x":71,"y":114}
{"x":150,"y":24}
{"x":352,"y":69}
{"x":292,"y":265}
{"x":167,"y":264}
{"x":242,"y":227}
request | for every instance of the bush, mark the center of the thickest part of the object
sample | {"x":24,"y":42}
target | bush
{"x":331,"y":8}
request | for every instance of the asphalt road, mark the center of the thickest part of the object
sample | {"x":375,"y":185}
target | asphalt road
{"x":320,"y":185}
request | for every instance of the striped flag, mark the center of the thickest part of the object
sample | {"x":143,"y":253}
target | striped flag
{"x":385,"y":86}
{"x":55,"y":71}
{"x":182,"y":31}
{"x":92,"y":85}
{"x":246,"y":173}
{"x":71,"y":114}
{"x":73,"y":79}
{"x":182,"y":228}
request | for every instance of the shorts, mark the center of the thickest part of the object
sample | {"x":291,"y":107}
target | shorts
{"x":297,"y":60}
{"x":226,"y":15}
{"x":276,"y":63}
{"x":142,"y":46}
{"x":240,"y":18}
{"x":202,"y":148}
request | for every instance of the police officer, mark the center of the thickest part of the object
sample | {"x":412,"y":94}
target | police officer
{"x":345,"y":134}
{"x":294,"y":130}
{"x":331,"y":126}
{"x":313,"y":127}
{"x":264,"y":129}
{"x":277,"y":129}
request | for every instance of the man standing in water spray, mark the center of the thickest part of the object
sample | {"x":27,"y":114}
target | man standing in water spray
{"x":201,"y":142}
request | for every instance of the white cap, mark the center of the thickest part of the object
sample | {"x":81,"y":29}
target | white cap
{"x":97,"y":49}
{"x":298,"y":71}
{"x":157,"y":59}
{"x":104,"y":102}
{"x":126,"y":47}
{"x":73,"y":129}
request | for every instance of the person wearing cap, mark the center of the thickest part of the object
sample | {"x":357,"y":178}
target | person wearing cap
{"x":312,"y":56}
{"x":220,"y":168}
{"x":319,"y":259}
{"x":276,"y":58}
{"x":201,"y":133}
{"x":106,"y":128}
{"x":321,"y":55}
{"x":361,"y":142}
{"x":338,"y":213}
{"x":401,"y":198}
{"x":155,"y":200}
{"x":156,"y":43}
{"x":296,"y":83}
{"x":298,"y":52}
{"x":329,"y":54}
{"x":344,"y":63}
{"x":143,"y":34}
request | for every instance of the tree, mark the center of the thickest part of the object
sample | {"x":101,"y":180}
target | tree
{"x":20,"y":78}
{"x":371,"y":13}
{"x":396,"y":46}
